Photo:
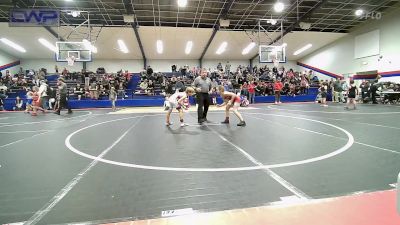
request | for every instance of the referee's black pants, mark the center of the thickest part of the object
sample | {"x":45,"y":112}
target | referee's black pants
{"x":203,"y":101}
{"x":63,"y":103}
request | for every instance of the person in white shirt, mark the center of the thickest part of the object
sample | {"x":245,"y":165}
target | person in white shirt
{"x":43,"y":93}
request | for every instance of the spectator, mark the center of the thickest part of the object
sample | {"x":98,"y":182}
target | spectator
{"x":374,"y":89}
{"x":113,"y":98}
{"x":79,"y":91}
{"x":18,"y":104}
{"x":227,"y":68}
{"x":252,"y":92}
{"x":121,"y":91}
{"x":149,"y":71}
{"x":277,"y":89}
{"x":144,"y":85}
{"x":179,"y":85}
{"x":1,"y":102}
{"x":150,"y":87}
{"x":338,"y":89}
{"x":219,"y":67}
{"x":43,"y":94}
{"x":52,"y":98}
{"x":93,"y":89}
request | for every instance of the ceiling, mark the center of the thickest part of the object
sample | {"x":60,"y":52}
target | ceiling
{"x":198,"y":21}
{"x":174,"y":42}
{"x":325,"y":15}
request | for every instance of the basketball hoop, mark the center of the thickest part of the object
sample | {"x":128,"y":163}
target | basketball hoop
{"x":71,"y":60}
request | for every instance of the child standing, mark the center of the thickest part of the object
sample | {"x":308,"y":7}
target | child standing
{"x":177,"y":101}
{"x":231,"y":100}
{"x":214,"y":96}
{"x":323,"y":96}
{"x":351,"y":95}
{"x":277,"y":89}
{"x":113,"y":97}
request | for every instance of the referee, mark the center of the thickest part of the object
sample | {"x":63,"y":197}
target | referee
{"x":62,"y":95}
{"x":202,"y":86}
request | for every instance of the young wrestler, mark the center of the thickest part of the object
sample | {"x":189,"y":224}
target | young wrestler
{"x":36,"y":105}
{"x":231,"y":100}
{"x":177,"y":101}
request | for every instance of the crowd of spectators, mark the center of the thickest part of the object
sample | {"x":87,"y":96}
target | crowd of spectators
{"x":249,"y":82}
{"x":246,"y":80}
{"x":82,"y":85}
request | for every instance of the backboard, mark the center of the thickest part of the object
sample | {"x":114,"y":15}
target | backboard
{"x":79,"y":50}
{"x":271,"y":53}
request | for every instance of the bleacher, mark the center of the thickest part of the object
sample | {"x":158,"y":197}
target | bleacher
{"x":134,"y":96}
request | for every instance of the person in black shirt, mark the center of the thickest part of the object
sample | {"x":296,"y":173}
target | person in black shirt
{"x":149,"y":71}
{"x":374,"y":89}
{"x":351,"y":95}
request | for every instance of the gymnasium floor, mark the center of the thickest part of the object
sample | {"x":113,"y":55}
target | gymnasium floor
{"x":99,"y":167}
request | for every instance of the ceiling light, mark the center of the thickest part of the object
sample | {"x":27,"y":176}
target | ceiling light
{"x":302,"y":49}
{"x":222,"y":48}
{"x":182,"y":3}
{"x":272,"y":21}
{"x":159,"y":47}
{"x":284,"y":45}
{"x":89,"y":46}
{"x":248,"y":48}
{"x":12,"y":44}
{"x":279,"y":6}
{"x":74,"y":13}
{"x":48,"y":45}
{"x":94,"y":49}
{"x":122,"y":46}
{"x":68,"y":0}
{"x":189,"y":46}
{"x":359,"y":12}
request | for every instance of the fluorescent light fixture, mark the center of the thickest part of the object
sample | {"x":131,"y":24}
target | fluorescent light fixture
{"x":48,"y":45}
{"x":94,"y":49}
{"x":359,"y":12}
{"x":159,"y":47}
{"x":68,"y":0}
{"x":89,"y":46}
{"x":284,"y":45}
{"x":221,"y":48}
{"x":188,"y":48}
{"x":122,"y":46}
{"x":248,"y":48}
{"x":182,"y":3}
{"x":272,"y":21}
{"x":279,"y":6}
{"x":12,"y":45}
{"x":302,"y":49}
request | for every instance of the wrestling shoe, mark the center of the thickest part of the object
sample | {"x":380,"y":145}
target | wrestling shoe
{"x":242,"y":124}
